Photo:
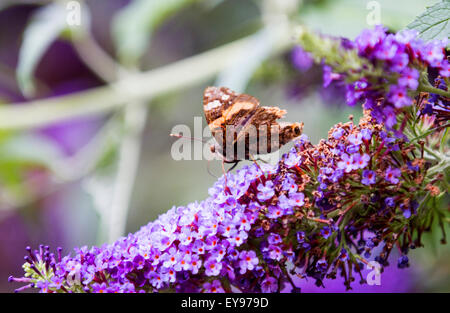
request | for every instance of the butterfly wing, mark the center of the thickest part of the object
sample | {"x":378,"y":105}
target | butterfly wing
{"x":216,"y":101}
{"x":227,"y":113}
{"x":261,"y":131}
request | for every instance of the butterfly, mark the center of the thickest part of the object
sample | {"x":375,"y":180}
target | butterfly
{"x":242,"y":128}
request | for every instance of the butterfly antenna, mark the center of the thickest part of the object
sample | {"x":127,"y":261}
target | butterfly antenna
{"x":234,"y":165}
{"x":224,"y":173}
{"x":208,"y":168}
{"x":191,"y":138}
{"x":262,"y":160}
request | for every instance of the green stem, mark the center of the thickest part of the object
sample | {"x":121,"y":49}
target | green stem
{"x":426,"y":87}
{"x":441,"y":167}
{"x":431,"y":131}
{"x":433,"y":153}
{"x":444,"y":139}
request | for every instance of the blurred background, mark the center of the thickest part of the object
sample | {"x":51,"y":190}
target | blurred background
{"x":90,"y":91}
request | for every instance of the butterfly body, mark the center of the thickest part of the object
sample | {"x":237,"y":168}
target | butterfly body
{"x":242,"y":128}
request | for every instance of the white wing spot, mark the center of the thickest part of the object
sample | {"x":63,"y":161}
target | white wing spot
{"x":212,"y":105}
{"x":225,"y":97}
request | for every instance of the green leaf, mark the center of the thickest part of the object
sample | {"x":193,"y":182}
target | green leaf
{"x":434,"y":23}
{"x":45,"y":26}
{"x":133,"y":26}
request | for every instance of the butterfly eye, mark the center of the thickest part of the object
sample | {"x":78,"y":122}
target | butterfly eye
{"x":297,"y":130}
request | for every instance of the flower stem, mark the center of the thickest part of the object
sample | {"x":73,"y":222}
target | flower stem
{"x":426,"y":87}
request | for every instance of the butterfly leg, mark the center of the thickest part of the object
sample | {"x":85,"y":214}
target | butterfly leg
{"x":225,"y":172}
{"x":224,"y":175}
{"x":254,"y":161}
{"x":234,"y":165}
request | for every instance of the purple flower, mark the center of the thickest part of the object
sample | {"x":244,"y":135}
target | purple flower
{"x":338,"y":132}
{"x":168,"y":275}
{"x":265,"y":191}
{"x":389,"y":201}
{"x":407,"y":213}
{"x":289,"y":185}
{"x":368,"y":177}
{"x":326,"y":232}
{"x":156,"y":280}
{"x":338,"y":173}
{"x":43,"y":286}
{"x":409,"y":78}
{"x":219,"y":252}
{"x":301,"y":236}
{"x":389,"y":116}
{"x":351,"y":149}
{"x":394,"y":57}
{"x":403,"y":261}
{"x":297,"y":199}
{"x":445,"y":69}
{"x":355,"y":139}
{"x":366,"y":134}
{"x":346,"y":164}
{"x":199,"y":247}
{"x":361,"y":161}
{"x":211,"y":242}
{"x":292,"y":160}
{"x":238,"y":238}
{"x":269,"y":285}
{"x":212,"y":267}
{"x":355,"y":91}
{"x":344,"y":255}
{"x":433,"y":53}
{"x":183,"y":264}
{"x":97,"y":288}
{"x":387,"y":49}
{"x":301,"y":59}
{"x":275,"y":212}
{"x":195,"y":264}
{"x":248,"y":261}
{"x":214,"y":287}
{"x":398,"y":96}
{"x":369,"y":38}
{"x":399,"y":62}
{"x":322,"y":266}
{"x":186,"y":236}
{"x":329,"y":76}
{"x":274,"y":239}
{"x":139,"y":261}
{"x":171,"y":257}
{"x":274,"y":253}
{"x":392,"y":175}
{"x":57,"y":282}
{"x":259,"y":232}
{"x":406,"y":36}
{"x":227,"y":234}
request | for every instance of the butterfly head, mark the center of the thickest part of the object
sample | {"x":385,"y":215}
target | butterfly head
{"x":291,"y":131}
